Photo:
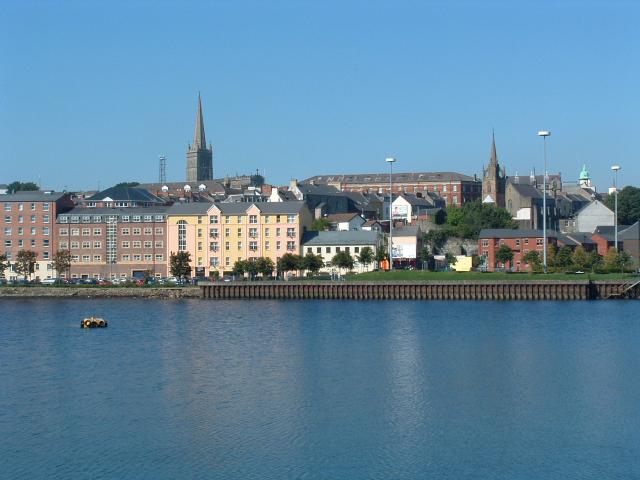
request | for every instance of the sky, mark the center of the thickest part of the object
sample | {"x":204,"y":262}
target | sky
{"x":91,"y":93}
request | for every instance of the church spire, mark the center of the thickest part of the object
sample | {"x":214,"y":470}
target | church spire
{"x":494,"y":155}
{"x":199,"y":141}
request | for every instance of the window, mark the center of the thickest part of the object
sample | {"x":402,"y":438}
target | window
{"x":137,"y":231}
{"x":45,"y":256}
{"x":97,"y":258}
{"x":517,"y":242}
{"x":20,"y":243}
{"x":485,"y":243}
{"x":253,"y":246}
{"x":253,"y":219}
{"x":126,"y":244}
{"x":309,"y":250}
{"x":136,"y":244}
{"x":227,"y":219}
{"x":159,"y":230}
{"x":159,"y":257}
{"x":278,"y":245}
{"x":7,"y":243}
{"x":125,"y":218}
{"x":337,"y":249}
{"x":227,"y":261}
{"x":7,"y":219}
{"x":75,"y":232}
{"x":199,"y":246}
{"x":199,"y":233}
{"x":213,"y":218}
{"x":125,"y":231}
{"x":327,"y":250}
{"x":277,"y":218}
{"x":7,"y":207}
{"x":266,"y":219}
{"x":97,"y":219}
{"x":214,"y":262}
{"x":97,"y":244}
{"x":148,"y":257}
{"x":148,"y":231}
{"x":63,"y":231}
{"x":277,"y":232}
{"x":356,"y":249}
{"x":199,"y":219}
{"x":159,"y":244}
{"x":455,"y":188}
{"x":75,"y":258}
{"x":291,"y":232}
{"x":86,"y":232}
{"x":347,"y":249}
{"x":148,"y":244}
{"x":227,"y":246}
{"x":266,"y":232}
{"x":136,"y":218}
{"x":45,"y":219}
{"x":239,"y":245}
{"x":213,"y":232}
{"x":86,"y":258}
{"x":291,"y":219}
{"x":32,"y":230}
{"x":147,"y":218}
{"x":253,"y":232}
{"x":20,"y":207}
{"x":126,"y":257}
{"x":97,"y":231}
{"x":86,"y":219}
{"x":239,"y":232}
{"x":75,"y":218}
{"x":64,"y":245}
{"x":7,"y":231}
{"x":318,"y":249}
{"x":266,"y":245}
{"x":213,"y":246}
{"x":240,"y":218}
{"x":20,"y":230}
{"x":75,"y":244}
{"x":526,"y":241}
{"x":159,"y":218}
{"x":227,"y":232}
{"x":137,"y":257}
{"x":86,"y":244}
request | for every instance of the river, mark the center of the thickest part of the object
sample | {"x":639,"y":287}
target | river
{"x":196,"y":389}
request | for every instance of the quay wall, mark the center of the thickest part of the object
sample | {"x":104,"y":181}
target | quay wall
{"x":463,"y":290}
{"x":99,"y":292}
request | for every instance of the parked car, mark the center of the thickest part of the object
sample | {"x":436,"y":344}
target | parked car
{"x":48,"y":281}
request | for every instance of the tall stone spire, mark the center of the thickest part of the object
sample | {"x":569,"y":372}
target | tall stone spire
{"x":493,"y":178}
{"x":199,"y":156}
{"x":494,"y":155}
{"x":199,"y":140}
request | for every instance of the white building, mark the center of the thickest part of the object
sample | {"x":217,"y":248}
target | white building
{"x":344,"y":222}
{"x":328,"y":244}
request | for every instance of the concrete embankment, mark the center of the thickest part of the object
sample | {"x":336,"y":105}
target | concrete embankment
{"x":99,"y":292}
{"x":462,"y":290}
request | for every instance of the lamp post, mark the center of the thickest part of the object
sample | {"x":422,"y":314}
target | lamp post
{"x":544,"y":134}
{"x":390,"y":161}
{"x":615,"y":168}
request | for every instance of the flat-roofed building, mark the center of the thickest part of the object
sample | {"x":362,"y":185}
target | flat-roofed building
{"x":28,"y":224}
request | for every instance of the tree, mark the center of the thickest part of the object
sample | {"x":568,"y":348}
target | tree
{"x":17,"y":186}
{"x":563,"y":259}
{"x":468,"y":220}
{"x":440,"y":217}
{"x":436,"y":239}
{"x":312,"y":262}
{"x":342,"y":260}
{"x":594,"y":261}
{"x":366,"y":256}
{"x":551,"y":256}
{"x":504,"y":255}
{"x":251,"y":267}
{"x":289,"y":262}
{"x":628,"y":205}
{"x":265,"y":266}
{"x":179,"y":264}
{"x":4,"y":264}
{"x":239,"y":267}
{"x":320,"y":224}
{"x":615,"y":261}
{"x":450,"y":258}
{"x":579,"y":258}
{"x":532,"y":258}
{"x":424,"y":256}
{"x":25,"y":263}
{"x":62,"y":262}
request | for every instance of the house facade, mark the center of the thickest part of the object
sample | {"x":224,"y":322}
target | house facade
{"x":328,"y":244}
{"x":519,"y":241}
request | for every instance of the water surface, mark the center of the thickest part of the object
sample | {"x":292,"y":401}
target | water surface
{"x":319,"y":390}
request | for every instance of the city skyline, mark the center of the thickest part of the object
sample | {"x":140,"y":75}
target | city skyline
{"x":296,"y":90}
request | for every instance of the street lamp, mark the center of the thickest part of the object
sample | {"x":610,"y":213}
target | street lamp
{"x":390,"y":161}
{"x":544,"y":134}
{"x":615,"y":168}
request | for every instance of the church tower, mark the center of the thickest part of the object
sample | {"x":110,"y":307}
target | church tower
{"x":493,"y":180}
{"x":199,"y":157}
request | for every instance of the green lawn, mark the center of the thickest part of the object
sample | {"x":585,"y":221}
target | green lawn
{"x":416,"y":275}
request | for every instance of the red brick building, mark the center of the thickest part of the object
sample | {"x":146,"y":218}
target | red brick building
{"x":28,"y":224}
{"x":520,"y":242}
{"x":454,"y":188}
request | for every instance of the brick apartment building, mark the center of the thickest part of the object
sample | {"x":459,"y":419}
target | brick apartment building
{"x":454,"y":188}
{"x":114,"y":242}
{"x":28,"y":224}
{"x":520,"y":242}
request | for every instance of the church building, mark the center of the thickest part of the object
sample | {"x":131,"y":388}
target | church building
{"x":494,"y":180}
{"x":199,"y":156}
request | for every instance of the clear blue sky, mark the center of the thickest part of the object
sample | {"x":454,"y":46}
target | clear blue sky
{"x":94,"y":91}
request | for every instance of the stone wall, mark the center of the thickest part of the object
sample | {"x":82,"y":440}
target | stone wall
{"x":99,"y":292}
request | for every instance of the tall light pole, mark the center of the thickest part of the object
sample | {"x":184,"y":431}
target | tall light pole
{"x":390,"y":161}
{"x":615,"y":168}
{"x":544,"y":134}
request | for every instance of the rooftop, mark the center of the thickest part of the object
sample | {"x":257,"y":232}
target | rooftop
{"x":32,"y":196}
{"x":414,"y":177}
{"x":351,"y":237}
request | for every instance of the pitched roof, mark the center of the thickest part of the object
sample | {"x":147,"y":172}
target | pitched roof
{"x":515,"y":233}
{"x":366,"y":178}
{"x":407,"y":231}
{"x":630,"y":233}
{"x":189,"y":208}
{"x":416,"y":201}
{"x":32,"y":196}
{"x":341,"y":217}
{"x":346,"y":237}
{"x":126,"y":194}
